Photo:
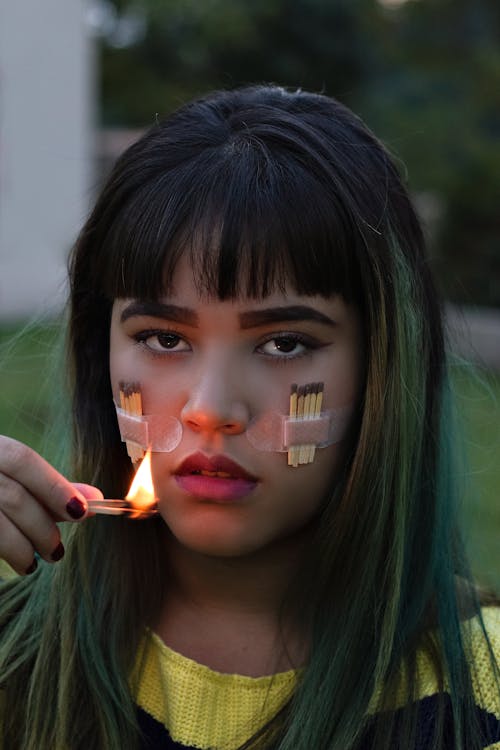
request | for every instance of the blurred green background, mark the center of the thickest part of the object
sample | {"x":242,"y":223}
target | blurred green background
{"x":423,"y":74}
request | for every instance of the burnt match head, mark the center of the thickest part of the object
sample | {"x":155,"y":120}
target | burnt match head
{"x":129,"y":389}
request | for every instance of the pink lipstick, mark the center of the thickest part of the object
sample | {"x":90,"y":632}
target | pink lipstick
{"x":214,"y":478}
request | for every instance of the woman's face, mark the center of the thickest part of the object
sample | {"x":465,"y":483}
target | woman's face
{"x":215,"y":366}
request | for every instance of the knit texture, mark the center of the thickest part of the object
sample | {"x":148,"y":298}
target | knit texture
{"x":183,"y":704}
{"x":202,"y":708}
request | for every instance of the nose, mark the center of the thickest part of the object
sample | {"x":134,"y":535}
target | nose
{"x":213,"y":406}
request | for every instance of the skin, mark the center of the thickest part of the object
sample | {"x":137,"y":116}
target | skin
{"x":215,"y":368}
{"x":215,"y":371}
{"x":230,"y":563}
{"x":33,"y":498}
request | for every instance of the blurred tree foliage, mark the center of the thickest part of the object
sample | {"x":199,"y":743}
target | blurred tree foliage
{"x":424,"y":74}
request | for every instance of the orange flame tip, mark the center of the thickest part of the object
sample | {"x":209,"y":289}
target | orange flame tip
{"x":141,"y":494}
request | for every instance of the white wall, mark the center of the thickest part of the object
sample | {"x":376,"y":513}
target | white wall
{"x":46,"y":75}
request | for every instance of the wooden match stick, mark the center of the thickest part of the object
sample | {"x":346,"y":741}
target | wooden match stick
{"x":300,"y":414}
{"x":131,"y":403}
{"x":119,"y":508}
{"x":293,"y":413}
{"x":305,"y":403}
{"x":317,"y":413}
{"x":311,"y":413}
{"x":303,"y":450}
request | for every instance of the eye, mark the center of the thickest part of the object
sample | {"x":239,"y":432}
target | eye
{"x":286,"y":346}
{"x":161,"y":342}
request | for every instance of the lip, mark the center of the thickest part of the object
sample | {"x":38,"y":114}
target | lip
{"x":198,"y":462}
{"x":222,"y":479}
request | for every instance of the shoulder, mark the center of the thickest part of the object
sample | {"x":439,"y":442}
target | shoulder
{"x":482,"y":643}
{"x":481,"y":639}
{"x":420,"y":684}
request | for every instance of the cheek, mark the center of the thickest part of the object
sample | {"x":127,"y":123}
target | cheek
{"x":314,"y":481}
{"x":122,"y":364}
{"x":161,"y":392}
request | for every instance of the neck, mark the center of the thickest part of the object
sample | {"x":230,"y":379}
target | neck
{"x":251,"y":583}
{"x":227,"y":612}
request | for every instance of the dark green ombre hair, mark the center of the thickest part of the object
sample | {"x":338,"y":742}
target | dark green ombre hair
{"x":262,"y":188}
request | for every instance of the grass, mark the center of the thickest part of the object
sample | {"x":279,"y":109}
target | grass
{"x":30,"y":392}
{"x":30,"y":385}
{"x":479,"y":400}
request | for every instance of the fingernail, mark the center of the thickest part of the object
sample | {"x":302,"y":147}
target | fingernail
{"x":58,"y":553}
{"x":32,"y":567}
{"x":75,"y":508}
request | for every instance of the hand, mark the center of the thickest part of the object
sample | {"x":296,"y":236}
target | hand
{"x":33,"y":497}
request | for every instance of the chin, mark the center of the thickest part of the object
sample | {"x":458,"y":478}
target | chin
{"x":216,"y":542}
{"x":218,"y":548}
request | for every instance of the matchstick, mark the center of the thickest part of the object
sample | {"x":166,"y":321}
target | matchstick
{"x":119,"y":508}
{"x":309,"y":455}
{"x":131,"y":403}
{"x":300,"y":414}
{"x":293,"y":413}
{"x":317,"y":413}
{"x":305,"y":403}
{"x":303,"y":450}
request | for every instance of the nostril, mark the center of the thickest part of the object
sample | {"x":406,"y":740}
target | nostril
{"x":231,"y":429}
{"x":193,"y":425}
{"x":230,"y":419}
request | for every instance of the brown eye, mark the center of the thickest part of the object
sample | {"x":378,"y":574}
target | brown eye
{"x":162,"y":342}
{"x":168,"y":340}
{"x":285,"y":344}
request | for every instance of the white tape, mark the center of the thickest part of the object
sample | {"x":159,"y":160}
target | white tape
{"x":271,"y":431}
{"x":279,"y":432}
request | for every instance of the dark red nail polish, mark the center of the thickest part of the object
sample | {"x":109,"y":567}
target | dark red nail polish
{"x":75,"y":508}
{"x":32,"y":567}
{"x":58,"y":553}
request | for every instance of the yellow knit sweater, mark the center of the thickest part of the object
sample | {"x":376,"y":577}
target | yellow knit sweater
{"x":202,"y":708}
{"x":193,"y":706}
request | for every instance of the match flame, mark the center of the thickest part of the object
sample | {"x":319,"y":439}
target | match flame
{"x":141,"y":494}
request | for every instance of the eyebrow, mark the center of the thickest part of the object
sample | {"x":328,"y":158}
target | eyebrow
{"x":248,"y":319}
{"x":163,"y":310}
{"x":255,"y":318}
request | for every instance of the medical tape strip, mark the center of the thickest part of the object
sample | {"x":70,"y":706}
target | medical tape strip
{"x":160,"y":433}
{"x":278,"y":432}
{"x":269,"y":432}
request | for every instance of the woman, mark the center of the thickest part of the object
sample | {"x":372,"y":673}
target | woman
{"x":255,"y":240}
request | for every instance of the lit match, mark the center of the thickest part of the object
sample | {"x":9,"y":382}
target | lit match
{"x":108,"y":507}
{"x":140,"y":501}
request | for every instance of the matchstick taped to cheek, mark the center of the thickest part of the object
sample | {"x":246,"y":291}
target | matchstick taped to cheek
{"x":299,"y":433}
{"x":305,"y":404}
{"x":131,"y":404}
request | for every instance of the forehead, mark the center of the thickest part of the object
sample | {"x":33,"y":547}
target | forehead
{"x":187,"y":304}
{"x":184,"y":286}
{"x":233,"y":254}
{"x":186,"y":282}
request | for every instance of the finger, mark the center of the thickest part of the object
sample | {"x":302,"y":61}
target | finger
{"x":21,"y":464}
{"x":32,"y":521}
{"x":15,"y":548}
{"x":89,"y":491}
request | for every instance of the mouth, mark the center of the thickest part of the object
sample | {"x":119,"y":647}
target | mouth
{"x":214,"y":478}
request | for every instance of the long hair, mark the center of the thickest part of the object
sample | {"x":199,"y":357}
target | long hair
{"x":261,"y":188}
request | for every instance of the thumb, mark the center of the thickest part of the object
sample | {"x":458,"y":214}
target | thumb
{"x":88,"y":491}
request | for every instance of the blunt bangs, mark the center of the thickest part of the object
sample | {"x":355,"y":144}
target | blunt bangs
{"x":252,"y":213}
